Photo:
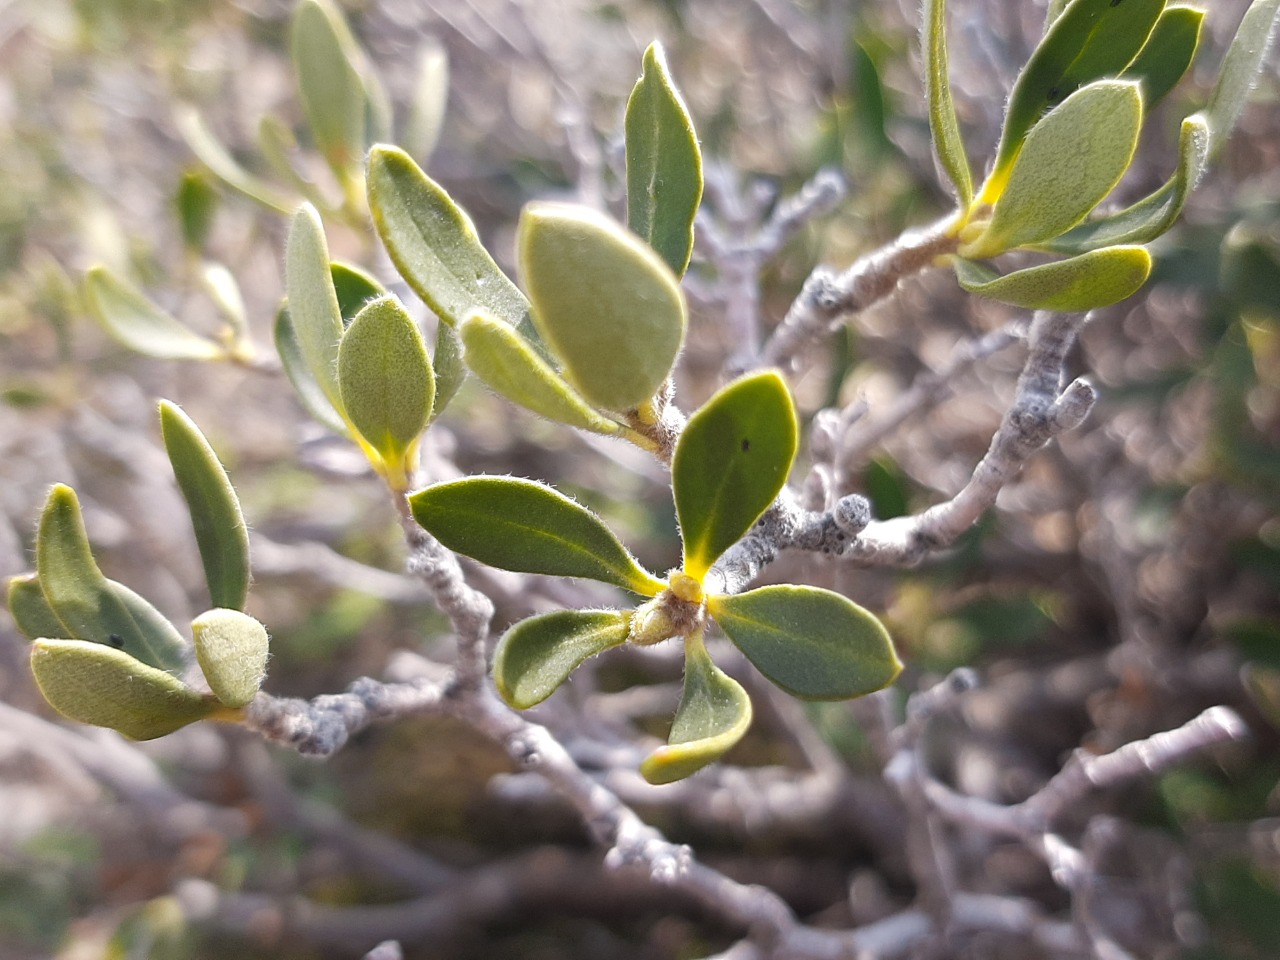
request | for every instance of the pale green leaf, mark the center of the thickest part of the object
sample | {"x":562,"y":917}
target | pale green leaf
{"x":506,"y":364}
{"x":210,"y":151}
{"x":313,"y":305}
{"x":430,"y":99}
{"x":608,"y":307}
{"x":329,"y":84}
{"x":89,"y":606}
{"x":446,"y":363}
{"x":92,"y":683}
{"x":1240,"y":69}
{"x":521,"y":525}
{"x":714,"y":714}
{"x":139,"y":324}
{"x":537,"y":655}
{"x":813,"y":643}
{"x":730,"y":463}
{"x":1090,"y":40}
{"x":232,"y":649}
{"x":386,"y":379}
{"x":1153,"y":215}
{"x":304,"y":382}
{"x":943,"y":124}
{"x":1072,"y":159}
{"x":220,"y":529}
{"x":1167,"y":54}
{"x":664,"y":164}
{"x":221,"y":286}
{"x":434,"y":245}
{"x":1094,"y":279}
{"x":30,"y":610}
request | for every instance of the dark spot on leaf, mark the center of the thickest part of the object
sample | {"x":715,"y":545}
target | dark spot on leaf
{"x":116,"y":640}
{"x":746,"y":445}
{"x":1055,"y":94}
{"x":1116,"y":3}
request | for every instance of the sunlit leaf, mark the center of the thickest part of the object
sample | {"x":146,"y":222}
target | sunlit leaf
{"x":82,"y":599}
{"x":608,"y":307}
{"x":521,"y":525}
{"x":1072,"y":159}
{"x":386,"y":379}
{"x":730,"y":463}
{"x":92,"y":683}
{"x":231,"y":648}
{"x":30,"y":610}
{"x":434,"y":245}
{"x":446,"y":363}
{"x":313,"y":304}
{"x":1090,"y":40}
{"x":813,"y":643}
{"x":210,"y":151}
{"x":139,"y":324}
{"x":329,"y":83}
{"x":537,"y":655}
{"x":430,"y":98}
{"x":1081,"y":283}
{"x":509,"y":366}
{"x":304,"y":382}
{"x":220,"y":529}
{"x":1240,"y":69}
{"x":943,"y":125}
{"x":1167,"y":54}
{"x":664,"y":164}
{"x":714,"y":714}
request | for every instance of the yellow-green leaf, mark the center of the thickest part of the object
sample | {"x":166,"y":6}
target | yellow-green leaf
{"x":537,"y":655}
{"x":313,"y":304}
{"x":386,"y":379}
{"x":304,"y":382}
{"x":521,"y":525}
{"x":506,"y":364}
{"x":714,"y":714}
{"x":30,"y":610}
{"x":430,"y":99}
{"x":92,"y":683}
{"x":608,"y":307}
{"x":730,"y":463}
{"x":433,"y":244}
{"x":329,"y":83}
{"x":232,"y":650}
{"x":89,"y":606}
{"x":1093,"y":279}
{"x":220,"y":529}
{"x":1072,"y":159}
{"x":943,"y":125}
{"x":139,"y":324}
{"x":664,"y":164}
{"x":1167,"y":54}
{"x":813,"y":643}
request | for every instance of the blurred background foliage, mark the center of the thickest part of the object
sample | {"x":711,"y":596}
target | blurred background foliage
{"x":1128,"y":580}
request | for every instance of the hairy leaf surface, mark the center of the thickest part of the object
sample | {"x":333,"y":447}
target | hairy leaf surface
{"x":537,"y":654}
{"x":1081,"y":283}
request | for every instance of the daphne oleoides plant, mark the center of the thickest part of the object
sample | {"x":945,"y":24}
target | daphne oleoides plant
{"x":588,"y":337}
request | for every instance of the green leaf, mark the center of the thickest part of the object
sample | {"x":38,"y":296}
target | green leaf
{"x":386,"y":379}
{"x":604,"y":302}
{"x":220,"y":529}
{"x":160,"y":633}
{"x":1153,"y":215}
{"x":354,"y":288}
{"x":92,"y":683}
{"x":139,"y":324}
{"x":446,"y":363}
{"x":521,"y":525}
{"x":714,"y":714}
{"x":730,"y":463}
{"x":1072,"y":159}
{"x":221,"y":286}
{"x":1091,"y":39}
{"x":664,"y":164}
{"x":429,"y":102}
{"x":1240,"y":69}
{"x":1167,"y":54}
{"x":329,"y":84}
{"x":197,"y":202}
{"x":1094,"y":279}
{"x":943,"y":125}
{"x":506,"y":364}
{"x":434,"y":245}
{"x":537,"y":655}
{"x":232,"y":650}
{"x":304,"y":382}
{"x":89,"y":606}
{"x":210,"y":151}
{"x":815,"y":644}
{"x":313,"y":304}
{"x":30,"y":610}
